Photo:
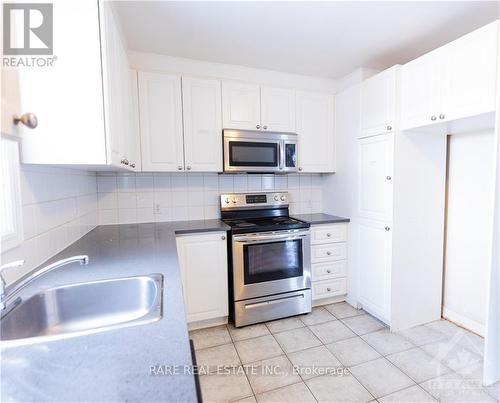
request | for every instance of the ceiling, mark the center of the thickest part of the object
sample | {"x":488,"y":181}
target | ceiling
{"x":324,"y":39}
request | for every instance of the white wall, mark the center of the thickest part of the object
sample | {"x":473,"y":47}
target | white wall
{"x":149,"y":197}
{"x":59,"y":207}
{"x":469,"y":227}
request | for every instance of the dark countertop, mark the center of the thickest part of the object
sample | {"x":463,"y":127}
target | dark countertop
{"x":113,"y":365}
{"x":320,"y":218}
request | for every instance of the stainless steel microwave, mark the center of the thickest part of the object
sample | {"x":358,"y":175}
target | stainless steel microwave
{"x":252,"y":151}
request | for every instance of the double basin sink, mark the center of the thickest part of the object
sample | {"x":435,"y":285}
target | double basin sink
{"x":83,"y":308}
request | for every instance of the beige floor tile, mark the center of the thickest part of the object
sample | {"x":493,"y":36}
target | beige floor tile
{"x":343,"y":310}
{"x":446,"y":327}
{"x":297,"y":339}
{"x":247,"y":332}
{"x":318,"y":315}
{"x":330,"y":332}
{"x":282,"y":325}
{"x":418,"y":365}
{"x":271,"y":374}
{"x":353,"y":351}
{"x":338,"y":389}
{"x":213,"y":357}
{"x":224,"y":388}
{"x":420,"y":335}
{"x":454,"y":355}
{"x":413,"y":394}
{"x":380,"y":377}
{"x":258,"y":348}
{"x":296,"y":393}
{"x":452,"y":388}
{"x":210,"y":337}
{"x":387,"y":342}
{"x":472,"y":342}
{"x":314,"y":362}
{"x":249,"y":399}
{"x":363,"y":324}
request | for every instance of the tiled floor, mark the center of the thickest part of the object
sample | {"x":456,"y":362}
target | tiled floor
{"x":303,"y":359}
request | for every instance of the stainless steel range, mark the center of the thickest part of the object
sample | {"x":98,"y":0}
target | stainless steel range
{"x":269,"y":258}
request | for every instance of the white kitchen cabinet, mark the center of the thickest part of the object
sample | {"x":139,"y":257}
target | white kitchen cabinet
{"x":452,"y":82}
{"x":375,"y":177}
{"x":315,"y":129}
{"x":203,"y":264}
{"x":201,"y":100}
{"x":80,"y":121}
{"x":374,"y":251}
{"x":277,"y":109}
{"x":160,"y":107}
{"x":134,"y":132}
{"x":378,"y":103}
{"x":241,"y":105}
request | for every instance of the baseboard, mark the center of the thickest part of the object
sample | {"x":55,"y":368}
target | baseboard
{"x":464,"y":322}
{"x":328,"y":301}
{"x":201,"y":324}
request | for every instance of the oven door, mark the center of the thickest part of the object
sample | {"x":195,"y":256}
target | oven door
{"x":271,"y":263}
{"x":252,"y":155}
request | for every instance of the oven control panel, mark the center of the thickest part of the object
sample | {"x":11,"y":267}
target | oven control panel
{"x":253,"y":200}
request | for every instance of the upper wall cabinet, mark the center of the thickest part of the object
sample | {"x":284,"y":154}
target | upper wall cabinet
{"x":453,"y":82}
{"x":80,"y":121}
{"x":252,"y":107}
{"x":316,"y":131}
{"x":181,"y":125}
{"x":378,"y":103}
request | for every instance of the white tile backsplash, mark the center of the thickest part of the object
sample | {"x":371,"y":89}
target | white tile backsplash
{"x":59,"y":206}
{"x":190,"y":196}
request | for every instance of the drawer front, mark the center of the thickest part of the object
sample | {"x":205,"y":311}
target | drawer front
{"x":328,"y":233}
{"x":329,"y":288}
{"x":328,"y":252}
{"x":329,"y":270}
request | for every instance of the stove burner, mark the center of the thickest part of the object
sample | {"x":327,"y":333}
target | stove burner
{"x":246,"y":224}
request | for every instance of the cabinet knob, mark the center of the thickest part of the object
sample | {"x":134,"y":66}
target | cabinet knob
{"x":433,"y":118}
{"x":223,"y":237}
{"x":442,"y":116}
{"x":179,"y":168}
{"x":328,"y":271}
{"x":264,"y":127}
{"x":387,"y":228}
{"x":124,"y":161}
{"x":328,"y":235}
{"x":188,"y":168}
{"x":328,"y":289}
{"x":389,"y":127}
{"x":300,"y":168}
{"x":28,"y":119}
{"x":388,"y":177}
{"x":132,"y":164}
{"x":258,"y":126}
{"x":328,"y":253}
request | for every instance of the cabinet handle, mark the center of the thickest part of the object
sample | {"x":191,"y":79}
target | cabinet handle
{"x":264,"y":127}
{"x":328,"y":253}
{"x":388,"y":177}
{"x":328,"y":289}
{"x":223,"y":237}
{"x":328,"y":235}
{"x":300,"y":168}
{"x":387,"y":228}
{"x":433,"y":118}
{"x":389,"y":128}
{"x":179,"y":168}
{"x":441,"y":116}
{"x":28,"y":119}
{"x":258,"y":126}
{"x":124,"y":161}
{"x":188,"y":168}
{"x":328,"y":271}
{"x":132,"y":164}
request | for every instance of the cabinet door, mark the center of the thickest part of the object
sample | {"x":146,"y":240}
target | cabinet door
{"x":134,"y":139}
{"x":375,"y":177}
{"x":315,"y":129}
{"x":420,"y":98}
{"x":469,"y":74}
{"x":202,"y":115}
{"x":203,"y":262}
{"x":160,"y":109}
{"x":375,"y":259}
{"x":67,"y":97}
{"x":277,"y":109}
{"x":241,"y":105}
{"x":378,"y":103}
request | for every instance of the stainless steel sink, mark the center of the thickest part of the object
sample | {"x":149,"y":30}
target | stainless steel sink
{"x":84,"y":308}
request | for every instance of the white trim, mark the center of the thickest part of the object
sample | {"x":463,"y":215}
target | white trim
{"x":463,"y":321}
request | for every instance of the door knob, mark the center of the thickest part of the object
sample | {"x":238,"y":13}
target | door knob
{"x":124,"y":161}
{"x":132,"y":165}
{"x":389,"y":128}
{"x":28,"y":119}
{"x":188,"y":168}
{"x":442,"y":116}
{"x":258,"y":126}
{"x":223,"y":237}
{"x":388,"y":177}
{"x":433,"y":118}
{"x":264,"y":127}
{"x":328,"y":289}
{"x":179,"y":168}
{"x":328,"y":235}
{"x":387,"y":228}
{"x":300,"y":169}
{"x":328,"y":271}
{"x":328,"y":253}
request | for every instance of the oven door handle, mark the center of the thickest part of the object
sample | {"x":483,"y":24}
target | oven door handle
{"x":268,"y":238}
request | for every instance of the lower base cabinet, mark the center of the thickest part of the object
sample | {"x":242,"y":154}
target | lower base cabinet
{"x":203,"y":264}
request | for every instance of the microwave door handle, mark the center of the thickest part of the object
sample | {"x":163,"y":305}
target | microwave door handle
{"x":281,"y":154}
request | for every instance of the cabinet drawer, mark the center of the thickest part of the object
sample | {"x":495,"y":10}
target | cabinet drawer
{"x":328,"y":252}
{"x":329,"y":270}
{"x":329,"y":288}
{"x":328,"y":233}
